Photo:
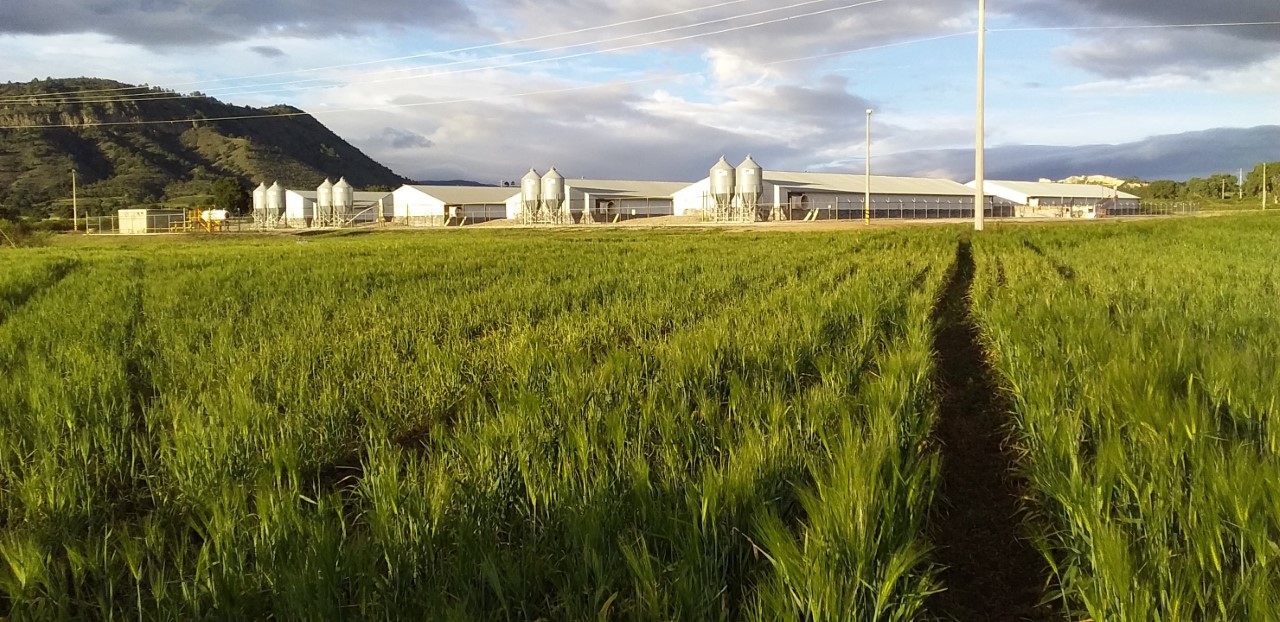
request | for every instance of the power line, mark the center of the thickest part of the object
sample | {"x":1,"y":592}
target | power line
{"x":1133,"y":27}
{"x":630,"y":82}
{"x":422,"y":54}
{"x":167,"y":96}
{"x":170,"y":96}
{"x":483,"y":99}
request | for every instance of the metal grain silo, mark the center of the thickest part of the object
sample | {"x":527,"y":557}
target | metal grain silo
{"x":723,"y":182}
{"x":530,"y":194}
{"x":260,"y":198}
{"x":260,"y":218}
{"x":553,"y":193}
{"x":344,"y":198}
{"x":275,"y":200}
{"x":324,"y":205}
{"x":750,"y":185}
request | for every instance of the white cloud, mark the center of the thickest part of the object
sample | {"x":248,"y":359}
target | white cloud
{"x":1261,"y":78}
{"x":794,"y":115}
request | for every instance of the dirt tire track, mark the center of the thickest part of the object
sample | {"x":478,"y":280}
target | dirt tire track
{"x":991,"y":572}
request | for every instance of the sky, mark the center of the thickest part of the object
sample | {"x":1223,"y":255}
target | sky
{"x":660,"y":89}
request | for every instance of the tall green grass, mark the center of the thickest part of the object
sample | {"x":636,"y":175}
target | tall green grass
{"x":473,"y":426}
{"x":1143,"y":361}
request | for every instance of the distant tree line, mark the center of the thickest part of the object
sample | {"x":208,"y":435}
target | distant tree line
{"x":1224,"y":186}
{"x":104,"y":198}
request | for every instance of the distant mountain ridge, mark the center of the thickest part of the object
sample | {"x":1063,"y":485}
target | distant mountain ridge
{"x":136,"y":145}
{"x":1101,"y":180}
{"x":452,"y":182}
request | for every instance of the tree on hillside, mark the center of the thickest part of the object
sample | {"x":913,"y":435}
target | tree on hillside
{"x":1254,"y":180}
{"x":1215,"y":187}
{"x":229,"y":193}
{"x":1160,"y":189}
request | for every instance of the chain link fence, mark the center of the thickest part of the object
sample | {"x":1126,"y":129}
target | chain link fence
{"x":1166,"y":208}
{"x":826,"y":207}
{"x":801,"y":208}
{"x":163,"y":222}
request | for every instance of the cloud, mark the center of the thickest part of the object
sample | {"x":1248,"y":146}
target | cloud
{"x":741,"y":53}
{"x":187,"y":23}
{"x":405,"y":139}
{"x":729,"y":99}
{"x":1141,"y":52}
{"x":268,"y":51}
{"x":1197,"y":54}
{"x":787,"y":112}
{"x":1174,"y":156}
{"x":604,"y":132}
{"x":1106,"y":12}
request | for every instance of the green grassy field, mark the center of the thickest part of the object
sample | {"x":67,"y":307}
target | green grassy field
{"x":1145,"y":366}
{"x":528,"y":425}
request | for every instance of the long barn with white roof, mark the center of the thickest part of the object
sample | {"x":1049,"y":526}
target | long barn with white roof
{"x":605,"y":201}
{"x":1058,"y":200}
{"x":841,"y":196}
{"x":434,"y":206}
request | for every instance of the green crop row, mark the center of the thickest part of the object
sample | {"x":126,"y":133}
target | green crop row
{"x":473,"y":426}
{"x":1143,"y":364}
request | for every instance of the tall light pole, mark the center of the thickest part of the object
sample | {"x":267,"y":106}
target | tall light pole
{"x":866,"y":190}
{"x":75,"y":210}
{"x":979,"y":164}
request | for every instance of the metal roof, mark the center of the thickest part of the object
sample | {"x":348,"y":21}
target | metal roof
{"x":359,"y":196}
{"x":856,"y":184}
{"x":627,"y":189}
{"x":468,"y":195}
{"x":1052,"y":189}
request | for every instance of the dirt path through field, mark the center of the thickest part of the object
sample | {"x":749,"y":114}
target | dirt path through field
{"x":992,"y":573}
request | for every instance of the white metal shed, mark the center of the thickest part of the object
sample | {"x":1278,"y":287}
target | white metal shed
{"x":825,"y":196}
{"x":611,"y":200}
{"x":1052,"y":199}
{"x":367,"y":207}
{"x":426,"y":206}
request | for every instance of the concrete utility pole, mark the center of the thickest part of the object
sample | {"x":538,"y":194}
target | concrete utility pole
{"x":979,"y":192}
{"x":75,"y":208}
{"x":866,"y":196}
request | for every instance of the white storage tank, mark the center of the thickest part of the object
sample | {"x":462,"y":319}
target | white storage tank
{"x":324,"y":204}
{"x":750,"y":185}
{"x":530,"y":193}
{"x":723,"y":181}
{"x":553,"y":191}
{"x":275,"y":200}
{"x":344,"y":198}
{"x":260,"y":198}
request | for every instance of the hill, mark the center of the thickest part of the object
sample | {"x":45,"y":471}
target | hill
{"x":1102,"y":180}
{"x":126,"y":154}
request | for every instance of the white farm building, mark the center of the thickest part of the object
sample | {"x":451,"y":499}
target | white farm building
{"x":830,"y":196}
{"x":1057,"y":200}
{"x":366,"y":207}
{"x":610,"y":200}
{"x":434,"y":206}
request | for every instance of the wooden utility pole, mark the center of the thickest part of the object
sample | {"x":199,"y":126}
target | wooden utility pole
{"x":979,"y":192}
{"x":1264,"y":185}
{"x":75,"y":209}
{"x":866,"y":191}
